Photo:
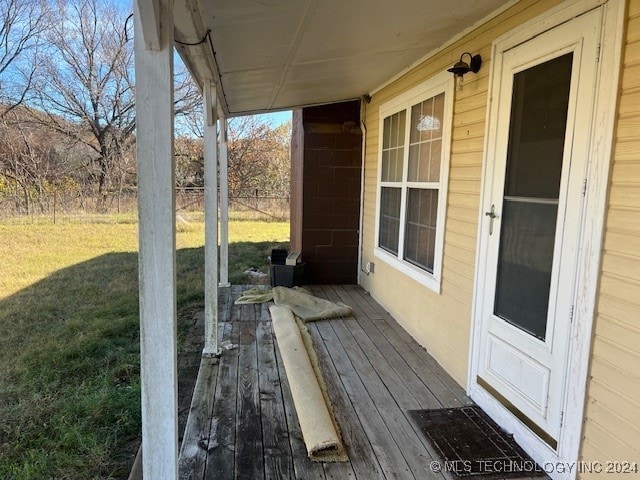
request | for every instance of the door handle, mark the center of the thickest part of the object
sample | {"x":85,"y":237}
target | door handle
{"x":492,"y":215}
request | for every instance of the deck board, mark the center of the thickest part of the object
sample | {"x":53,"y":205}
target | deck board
{"x":243,"y":423}
{"x":221,"y":451}
{"x":443,"y":386}
{"x":385,"y":449}
{"x":275,"y":436}
{"x":363,"y":460}
{"x":249,"y":440}
{"x":195,"y":442}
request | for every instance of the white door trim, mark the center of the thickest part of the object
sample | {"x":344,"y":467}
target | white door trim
{"x":605,"y":108}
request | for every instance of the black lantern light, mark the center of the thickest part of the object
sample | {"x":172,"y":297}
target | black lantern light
{"x":461,"y":67}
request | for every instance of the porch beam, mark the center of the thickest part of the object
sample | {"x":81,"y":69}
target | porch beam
{"x":210,"y":220}
{"x":224,"y":204}
{"x":149,"y":14}
{"x":157,"y":242}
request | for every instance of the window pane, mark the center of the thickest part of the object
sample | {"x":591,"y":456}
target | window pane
{"x":426,"y":123}
{"x":425,"y":156}
{"x":399,"y":163}
{"x":387,"y":132}
{"x":392,"y":165}
{"x":424,"y":161}
{"x":434,"y":164}
{"x":402,"y":120}
{"x":426,"y":142}
{"x":414,"y":159}
{"x":416,"y":114}
{"x":393,"y":147}
{"x":438,"y":115}
{"x":385,"y":165}
{"x":393,"y":131}
{"x":389,"y":219}
{"x":391,"y":171}
{"x":420,"y":230}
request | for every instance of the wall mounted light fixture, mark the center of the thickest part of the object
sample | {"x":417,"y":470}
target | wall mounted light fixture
{"x":461,"y":67}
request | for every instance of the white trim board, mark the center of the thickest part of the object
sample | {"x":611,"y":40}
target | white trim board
{"x":590,"y":248}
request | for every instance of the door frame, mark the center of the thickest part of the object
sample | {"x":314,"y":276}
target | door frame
{"x":591,"y":235}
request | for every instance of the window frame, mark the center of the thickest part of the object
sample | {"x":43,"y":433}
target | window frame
{"x":439,"y":83}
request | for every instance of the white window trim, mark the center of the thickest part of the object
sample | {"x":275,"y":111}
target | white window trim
{"x":440,"y":83}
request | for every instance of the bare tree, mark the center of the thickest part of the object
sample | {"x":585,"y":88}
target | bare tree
{"x":259,"y":158}
{"x":86,"y":85}
{"x":34,"y":166}
{"x":189,"y":153}
{"x":22,"y":24}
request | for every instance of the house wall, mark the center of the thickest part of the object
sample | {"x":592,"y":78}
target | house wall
{"x":612,"y":429}
{"x":442,"y":322}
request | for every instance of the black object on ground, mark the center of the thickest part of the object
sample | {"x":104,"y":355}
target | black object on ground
{"x":472,"y":446}
{"x":283,"y":275}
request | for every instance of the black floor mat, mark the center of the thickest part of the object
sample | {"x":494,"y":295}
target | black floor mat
{"x":472,"y":446}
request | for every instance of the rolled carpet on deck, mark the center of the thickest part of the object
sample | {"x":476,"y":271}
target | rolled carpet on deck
{"x":316,"y":422}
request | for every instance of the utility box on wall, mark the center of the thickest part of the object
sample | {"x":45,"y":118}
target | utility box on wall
{"x":326,"y":166}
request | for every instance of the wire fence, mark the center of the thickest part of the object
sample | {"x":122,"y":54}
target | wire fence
{"x":64,"y":206}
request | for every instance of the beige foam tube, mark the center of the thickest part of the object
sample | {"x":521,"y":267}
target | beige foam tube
{"x":320,"y":435}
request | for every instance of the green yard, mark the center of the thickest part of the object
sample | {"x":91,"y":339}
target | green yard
{"x":69,"y":374}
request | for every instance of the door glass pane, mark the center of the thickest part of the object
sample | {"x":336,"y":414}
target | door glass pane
{"x":389,"y":219}
{"x":524,"y":266}
{"x":538,"y":125}
{"x":540,"y":99}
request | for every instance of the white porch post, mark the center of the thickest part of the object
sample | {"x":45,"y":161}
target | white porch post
{"x":210,"y":221}
{"x":224,"y":204}
{"x":156,"y":211}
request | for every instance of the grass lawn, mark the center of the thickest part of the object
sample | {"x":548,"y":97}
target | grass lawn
{"x":69,"y":349}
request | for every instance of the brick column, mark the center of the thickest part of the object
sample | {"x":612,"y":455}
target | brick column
{"x":327,"y":154}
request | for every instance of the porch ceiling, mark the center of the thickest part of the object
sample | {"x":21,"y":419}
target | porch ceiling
{"x":278,"y":54}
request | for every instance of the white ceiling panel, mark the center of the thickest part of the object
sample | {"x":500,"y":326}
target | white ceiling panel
{"x":277,"y":54}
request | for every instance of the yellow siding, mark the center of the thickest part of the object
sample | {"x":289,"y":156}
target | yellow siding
{"x":442,"y":323}
{"x":612,"y":423}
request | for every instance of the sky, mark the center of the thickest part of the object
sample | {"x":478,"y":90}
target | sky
{"x":277,"y":118}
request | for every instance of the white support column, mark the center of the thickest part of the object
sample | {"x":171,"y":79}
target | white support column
{"x":224,"y":204}
{"x":157,"y":242}
{"x":210,"y":221}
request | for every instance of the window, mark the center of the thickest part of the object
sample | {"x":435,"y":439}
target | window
{"x":415,"y":134}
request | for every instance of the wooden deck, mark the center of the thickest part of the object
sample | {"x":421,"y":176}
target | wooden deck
{"x":242,"y":422}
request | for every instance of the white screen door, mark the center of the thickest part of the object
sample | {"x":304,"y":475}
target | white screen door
{"x":534,"y":200}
